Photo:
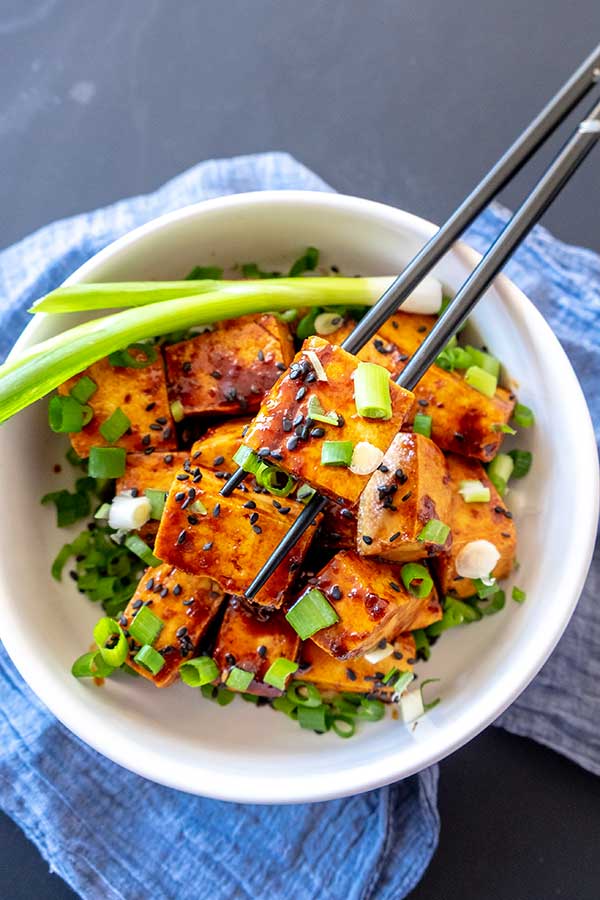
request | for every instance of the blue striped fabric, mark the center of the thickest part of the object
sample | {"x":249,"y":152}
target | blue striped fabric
{"x":76,"y":805}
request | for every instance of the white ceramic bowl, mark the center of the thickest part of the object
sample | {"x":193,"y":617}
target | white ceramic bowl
{"x":240,"y":752}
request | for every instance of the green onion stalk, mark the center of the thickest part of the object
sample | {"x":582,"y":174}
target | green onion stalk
{"x":46,"y":365}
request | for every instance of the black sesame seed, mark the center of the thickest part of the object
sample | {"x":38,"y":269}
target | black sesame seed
{"x":218,"y":460}
{"x":286,"y":424}
{"x":188,"y":602}
{"x":304,"y":432}
{"x":150,"y":584}
{"x":162,"y":420}
{"x":216,"y":374}
{"x":346,"y":513}
{"x":261,"y":356}
{"x":155,"y":427}
{"x":263,"y":452}
{"x":262,"y":651}
{"x":422,"y":329}
{"x":292,"y":442}
{"x":298,"y":420}
{"x":406,"y":496}
{"x":423,"y":402}
{"x":192,"y":519}
{"x":216,"y":510}
{"x":294,"y":373}
{"x":276,"y":504}
{"x":150,"y":406}
{"x":149,"y":450}
{"x":207,"y":546}
{"x":401,"y":476}
{"x":367,"y":539}
{"x":397,"y":654}
{"x":382,"y":644}
{"x":257,"y":529}
{"x":167,"y":432}
{"x":301,"y":394}
{"x":181,"y":632}
{"x":394,"y":537}
{"x":231,"y":394}
{"x":250,"y":504}
{"x":283,"y":510}
{"x":197,"y":478}
{"x":275,"y":454}
{"x":253,"y":518}
{"x":281,"y":366}
{"x":145,"y":440}
{"x":186,"y":503}
{"x":164,"y":592}
{"x":169,"y":458}
{"x":336,"y":592}
{"x":187,"y":367}
{"x":351,"y":674}
{"x":181,"y":537}
{"x":123,"y":621}
{"x":136,"y":604}
{"x":395,"y":587}
{"x":177,"y":590}
{"x":183,"y":476}
{"x":383,"y":468}
{"x":135,"y":492}
{"x":317,"y":432}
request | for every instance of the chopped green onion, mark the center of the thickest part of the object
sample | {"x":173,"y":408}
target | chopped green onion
{"x":503,"y":428}
{"x":199,"y":507}
{"x":308,"y":262}
{"x":279,"y":671}
{"x":157,"y":502}
{"x":274,"y":480}
{"x":370,"y":710}
{"x":435,"y":532}
{"x":306,"y":325}
{"x":106,"y":462}
{"x":328,"y":323}
{"x":220,"y":695}
{"x":74,"y":459}
{"x":60,"y":561}
{"x":336,"y":453}
{"x":247,"y":459}
{"x":469,"y":613}
{"x":523,"y":416}
{"x":450,"y":619}
{"x":302,"y":693}
{"x":372,"y":391}
{"x":432,"y":703}
{"x":474,"y":492}
{"x":284,"y":705}
{"x":239,"y":679}
{"x":69,"y":507}
{"x":102,"y":511}
{"x":113,"y":652}
{"x":91,"y":665}
{"x":304,"y":493}
{"x":124,"y":358}
{"x":343,"y":725}
{"x":494,"y":605}
{"x":485,"y":588}
{"x":65,"y":415}
{"x":522,"y":460}
{"x":199,"y":671}
{"x":422,"y":645}
{"x":313,"y":718}
{"x":484,"y":361}
{"x":145,"y":626}
{"x":83,"y":389}
{"x":311,"y":613}
{"x":499,"y":471}
{"x":198,"y":273}
{"x":177,"y":411}
{"x":115,"y":426}
{"x":453,"y":357}
{"x":315,"y":411}
{"x":390,"y":675}
{"x":518,"y":595}
{"x":403,"y":681}
{"x":422,"y":425}
{"x":250,"y":698}
{"x":481,"y":381}
{"x":150,"y":659}
{"x":134,"y":543}
{"x":251,"y":270}
{"x":416,"y":580}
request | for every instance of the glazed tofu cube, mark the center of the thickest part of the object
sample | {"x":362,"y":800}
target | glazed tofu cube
{"x":233,"y":537}
{"x":215,"y":449}
{"x":370,"y":600}
{"x":430,"y":611}
{"x":228,"y":370}
{"x":281,"y":427}
{"x":141,"y":394}
{"x":471,"y":522}
{"x":252,"y":640}
{"x":155,"y":472}
{"x":410,"y":487}
{"x":338,"y":526}
{"x":463,"y":419}
{"x":186,"y":604}
{"x":358,"y":675}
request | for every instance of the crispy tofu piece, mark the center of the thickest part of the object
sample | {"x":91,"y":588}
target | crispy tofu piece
{"x":429,"y":612}
{"x":140,"y":393}
{"x":252,"y":640}
{"x":338,"y":526}
{"x":462,"y":419}
{"x":410,"y":488}
{"x":186,"y":604}
{"x":155,"y":472}
{"x":471,"y":522}
{"x":357,"y":676}
{"x":235,"y":536}
{"x":373,"y":604}
{"x":230,"y":369}
{"x":215,"y":449}
{"x":297,"y":449}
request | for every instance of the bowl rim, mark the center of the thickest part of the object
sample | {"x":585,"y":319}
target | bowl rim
{"x":488,"y":706}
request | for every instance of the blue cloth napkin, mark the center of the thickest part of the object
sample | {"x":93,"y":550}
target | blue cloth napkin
{"x":59,"y":791}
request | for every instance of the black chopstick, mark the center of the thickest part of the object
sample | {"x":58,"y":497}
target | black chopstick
{"x":528,"y":214}
{"x":553,"y":114}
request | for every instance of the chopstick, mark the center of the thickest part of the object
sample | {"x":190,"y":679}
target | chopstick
{"x":528,"y":142}
{"x":518,"y":227}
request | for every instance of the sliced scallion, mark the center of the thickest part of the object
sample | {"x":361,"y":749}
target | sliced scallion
{"x":238,"y":679}
{"x":279,"y":671}
{"x":106,"y":462}
{"x":177,"y":411}
{"x":199,"y":671}
{"x":474,"y":491}
{"x":484,"y":361}
{"x":91,"y":665}
{"x":416,"y":580}
{"x":313,"y":718}
{"x":83,"y":389}
{"x":274,"y":480}
{"x":336,"y":453}
{"x":518,"y":595}
{"x":110,"y":641}
{"x":311,"y":613}
{"x":499,"y":471}
{"x":306,"y":263}
{"x":126,"y":359}
{"x":134,"y":543}
{"x":523,"y":416}
{"x":481,"y":380}
{"x":522,"y":460}
{"x":247,"y":459}
{"x":434,"y":532}
{"x":316,"y":412}
{"x":65,"y":415}
{"x":150,"y":659}
{"x":372,"y":391}
{"x":402,"y":682}
{"x":343,"y":725}
{"x":145,"y":626}
{"x":115,"y":426}
{"x":304,"y":493}
{"x":157,"y":502}
{"x":422,"y":425}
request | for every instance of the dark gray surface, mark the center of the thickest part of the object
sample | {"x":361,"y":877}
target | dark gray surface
{"x":406,"y":102}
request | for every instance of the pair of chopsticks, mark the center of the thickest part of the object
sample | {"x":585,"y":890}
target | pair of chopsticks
{"x":543,"y":194}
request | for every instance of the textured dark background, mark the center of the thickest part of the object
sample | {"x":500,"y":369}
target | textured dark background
{"x":404,"y":101}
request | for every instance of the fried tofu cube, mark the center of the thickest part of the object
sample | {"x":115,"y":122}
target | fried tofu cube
{"x":233,"y":538}
{"x":429,"y":612}
{"x":252,"y":639}
{"x":228,"y":370}
{"x":410,"y":488}
{"x":370,"y":600}
{"x":472,"y":522}
{"x":357,"y":676}
{"x":153,"y":472}
{"x":463,"y":420}
{"x":186,"y":604}
{"x":281,"y":425}
{"x":338,"y":526}
{"x":141,"y":394}
{"x":215,"y":449}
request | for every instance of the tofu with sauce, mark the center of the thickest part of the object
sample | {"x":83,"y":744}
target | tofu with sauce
{"x":410,"y":487}
{"x":462,"y":419}
{"x":215,"y":449}
{"x":186,"y":605}
{"x":252,"y":639}
{"x":228,"y":370}
{"x":338,"y":526}
{"x":370,"y":600}
{"x":357,"y":675}
{"x":154,"y":472}
{"x":491,"y":522}
{"x":283,"y":431}
{"x":228,"y":538}
{"x":140,"y":393}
